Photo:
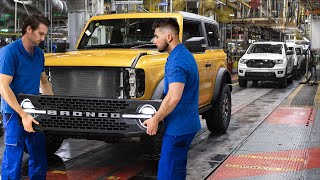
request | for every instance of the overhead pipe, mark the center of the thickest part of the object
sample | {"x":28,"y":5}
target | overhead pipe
{"x":9,"y":7}
{"x":58,"y":6}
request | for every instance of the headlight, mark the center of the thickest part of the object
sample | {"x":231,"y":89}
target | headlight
{"x":147,"y":110}
{"x":278,"y":61}
{"x":243,"y":61}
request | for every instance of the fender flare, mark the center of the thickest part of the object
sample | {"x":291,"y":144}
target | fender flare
{"x":158,"y":91}
{"x":222,"y":73}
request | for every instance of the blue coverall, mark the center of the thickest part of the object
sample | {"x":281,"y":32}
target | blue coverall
{"x":26,"y":71}
{"x":183,"y":122}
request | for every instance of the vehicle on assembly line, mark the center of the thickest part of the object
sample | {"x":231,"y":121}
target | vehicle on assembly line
{"x":298,"y":59}
{"x":266,"y":61}
{"x":114,"y":81}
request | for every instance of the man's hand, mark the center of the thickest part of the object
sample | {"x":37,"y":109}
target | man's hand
{"x":27,"y":123}
{"x":152,"y":126}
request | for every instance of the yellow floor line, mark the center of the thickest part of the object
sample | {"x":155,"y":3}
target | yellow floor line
{"x":317,"y":97}
{"x":295,"y":92}
{"x":234,"y":84}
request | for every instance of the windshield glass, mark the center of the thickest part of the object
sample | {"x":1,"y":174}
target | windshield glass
{"x":113,"y":33}
{"x":266,"y":48}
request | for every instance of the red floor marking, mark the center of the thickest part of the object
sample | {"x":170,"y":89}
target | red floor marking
{"x":83,"y":174}
{"x":313,"y":158}
{"x":292,"y":116}
{"x":267,"y":163}
{"x":127,"y":172}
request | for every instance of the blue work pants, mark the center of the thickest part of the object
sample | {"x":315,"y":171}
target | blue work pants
{"x":173,"y":158}
{"x":15,"y":140}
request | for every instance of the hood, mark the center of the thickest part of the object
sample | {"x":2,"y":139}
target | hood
{"x":110,"y":57}
{"x":262,"y":56}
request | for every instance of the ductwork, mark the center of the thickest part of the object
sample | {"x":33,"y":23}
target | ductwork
{"x":9,"y":7}
{"x":58,"y":6}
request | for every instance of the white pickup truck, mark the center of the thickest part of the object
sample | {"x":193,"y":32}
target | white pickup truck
{"x":266,"y":61}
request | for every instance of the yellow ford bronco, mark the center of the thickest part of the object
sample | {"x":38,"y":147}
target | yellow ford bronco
{"x":114,"y":80}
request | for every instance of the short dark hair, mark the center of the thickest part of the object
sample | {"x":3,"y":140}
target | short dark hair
{"x":34,"y":21}
{"x":167,"y":23}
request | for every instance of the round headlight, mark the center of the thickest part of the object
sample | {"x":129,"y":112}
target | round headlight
{"x":146,"y":109}
{"x":26,"y":104}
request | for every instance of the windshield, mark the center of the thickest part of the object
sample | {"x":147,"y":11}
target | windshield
{"x":266,"y":48}
{"x":113,"y":33}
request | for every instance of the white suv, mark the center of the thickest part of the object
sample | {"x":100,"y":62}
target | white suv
{"x":266,"y":61}
{"x":298,"y":59}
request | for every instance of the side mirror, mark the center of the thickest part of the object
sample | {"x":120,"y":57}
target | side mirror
{"x":196,"y":44}
{"x":289,"y":52}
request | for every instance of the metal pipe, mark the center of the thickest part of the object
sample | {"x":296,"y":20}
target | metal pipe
{"x":15,"y":16}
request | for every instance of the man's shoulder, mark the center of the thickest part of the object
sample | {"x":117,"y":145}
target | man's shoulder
{"x":39,"y":51}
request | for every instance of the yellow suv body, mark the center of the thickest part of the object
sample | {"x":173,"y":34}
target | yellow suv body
{"x":116,"y":64}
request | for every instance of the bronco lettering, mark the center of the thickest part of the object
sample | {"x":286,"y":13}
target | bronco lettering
{"x":84,"y":114}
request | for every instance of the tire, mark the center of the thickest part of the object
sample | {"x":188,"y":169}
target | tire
{"x":218,"y":118}
{"x":295,"y":74}
{"x":284,"y":82}
{"x":242,"y":82}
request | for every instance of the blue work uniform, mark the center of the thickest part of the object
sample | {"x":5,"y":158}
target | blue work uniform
{"x":26,"y":71}
{"x":183,"y":122}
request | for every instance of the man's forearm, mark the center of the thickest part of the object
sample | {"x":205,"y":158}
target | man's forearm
{"x":8,"y":95}
{"x":167,"y":106}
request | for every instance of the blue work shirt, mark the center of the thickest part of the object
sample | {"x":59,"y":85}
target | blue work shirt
{"x":182,"y":67}
{"x":25,"y":68}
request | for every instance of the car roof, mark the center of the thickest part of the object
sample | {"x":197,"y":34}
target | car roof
{"x":188,"y":15}
{"x":268,"y":42}
{"x":185,"y":15}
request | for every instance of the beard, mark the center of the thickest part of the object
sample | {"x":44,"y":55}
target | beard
{"x":163,"y":48}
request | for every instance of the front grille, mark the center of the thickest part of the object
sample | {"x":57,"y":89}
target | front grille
{"x":256,"y":63}
{"x":85,"y":81}
{"x":259,"y":74}
{"x":88,"y":115}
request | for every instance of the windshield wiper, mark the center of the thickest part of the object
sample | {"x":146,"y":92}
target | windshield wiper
{"x":144,"y":46}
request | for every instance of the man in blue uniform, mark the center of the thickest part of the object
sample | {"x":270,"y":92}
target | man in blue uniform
{"x":179,"y":108}
{"x":22,"y":71}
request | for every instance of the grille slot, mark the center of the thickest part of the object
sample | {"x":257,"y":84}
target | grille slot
{"x":260,"y":74}
{"x":84,"y":123}
{"x":85,"y":81}
{"x":256,"y":63}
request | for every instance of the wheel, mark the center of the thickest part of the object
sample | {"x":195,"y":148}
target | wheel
{"x":295,"y":74}
{"x":242,"y":82}
{"x":218,"y":117}
{"x":284,"y":81}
